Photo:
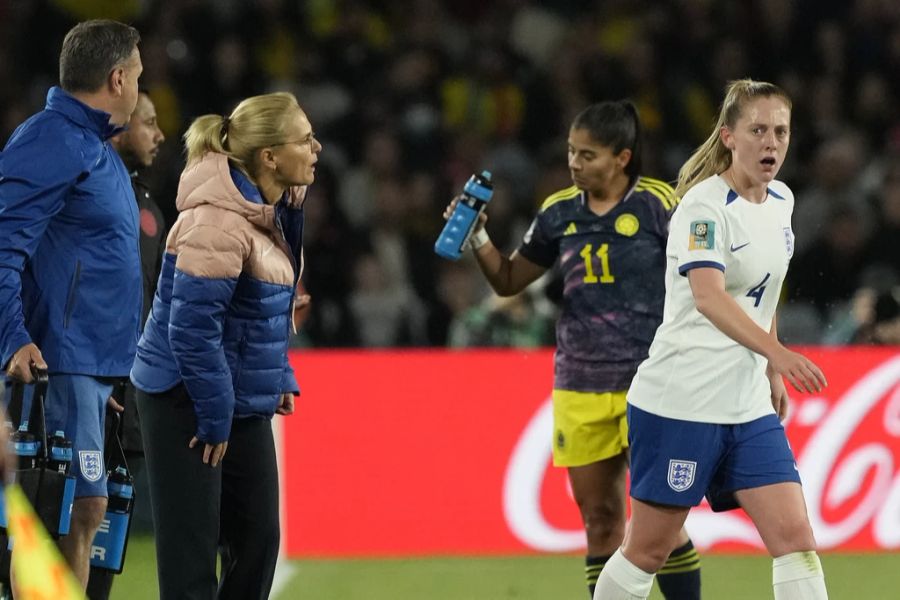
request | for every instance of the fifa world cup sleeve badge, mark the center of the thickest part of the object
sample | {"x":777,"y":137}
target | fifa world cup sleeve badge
{"x":702,"y":236}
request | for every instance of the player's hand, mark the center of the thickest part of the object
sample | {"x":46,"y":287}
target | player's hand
{"x":479,"y":223}
{"x":111,"y":403}
{"x":286,"y":404}
{"x":801,"y":373}
{"x":301,"y":310}
{"x":212,"y":453}
{"x":297,"y":195}
{"x":21,"y":362}
{"x":780,"y":399}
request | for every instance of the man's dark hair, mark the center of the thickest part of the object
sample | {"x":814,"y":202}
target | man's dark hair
{"x":91,"y":50}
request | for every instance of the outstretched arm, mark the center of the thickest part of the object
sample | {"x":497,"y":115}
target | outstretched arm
{"x":507,"y":275}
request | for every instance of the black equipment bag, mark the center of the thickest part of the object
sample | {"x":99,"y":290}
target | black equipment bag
{"x":44,"y":479}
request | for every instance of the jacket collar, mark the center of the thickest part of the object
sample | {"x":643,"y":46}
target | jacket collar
{"x":209,"y":181}
{"x":81,"y":114}
{"x":246,"y":187}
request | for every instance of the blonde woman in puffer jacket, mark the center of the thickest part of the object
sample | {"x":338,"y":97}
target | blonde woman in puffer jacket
{"x":212,"y":367}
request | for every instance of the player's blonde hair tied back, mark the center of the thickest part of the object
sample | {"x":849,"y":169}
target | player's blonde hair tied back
{"x":712,"y":157}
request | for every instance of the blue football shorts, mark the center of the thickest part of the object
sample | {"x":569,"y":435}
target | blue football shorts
{"x":76,"y":405}
{"x":677,"y":463}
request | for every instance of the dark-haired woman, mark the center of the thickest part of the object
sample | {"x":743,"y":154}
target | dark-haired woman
{"x":608,"y":232}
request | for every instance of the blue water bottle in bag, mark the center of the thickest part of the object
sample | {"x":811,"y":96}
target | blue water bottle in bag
{"x":108,"y":549}
{"x":25,"y":446}
{"x":60,"y":456}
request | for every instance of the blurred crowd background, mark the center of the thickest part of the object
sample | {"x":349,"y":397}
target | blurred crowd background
{"x":410,"y":97}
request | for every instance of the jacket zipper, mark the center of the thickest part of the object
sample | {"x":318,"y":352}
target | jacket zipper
{"x":70,"y":301}
{"x":290,"y":321}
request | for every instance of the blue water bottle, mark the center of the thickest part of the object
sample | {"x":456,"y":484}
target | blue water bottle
{"x":25,"y":446}
{"x":60,"y":459}
{"x":475,"y":196}
{"x":120,"y":487}
{"x":111,"y":540}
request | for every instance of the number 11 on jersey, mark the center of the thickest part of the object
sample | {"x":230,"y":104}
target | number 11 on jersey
{"x":603,"y":254}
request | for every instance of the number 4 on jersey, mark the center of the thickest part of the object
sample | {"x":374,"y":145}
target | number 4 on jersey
{"x":757,"y":291}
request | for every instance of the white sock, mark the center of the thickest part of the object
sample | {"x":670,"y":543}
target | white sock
{"x":799,"y":576}
{"x":621,"y":580}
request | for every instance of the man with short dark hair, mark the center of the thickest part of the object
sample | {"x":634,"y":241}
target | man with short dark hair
{"x":137,"y":146}
{"x":70,"y":272}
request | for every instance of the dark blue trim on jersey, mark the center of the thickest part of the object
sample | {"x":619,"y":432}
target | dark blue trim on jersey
{"x":699,"y":264}
{"x":733,"y":195}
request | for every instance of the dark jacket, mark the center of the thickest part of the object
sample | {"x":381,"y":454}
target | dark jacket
{"x":153,"y":240}
{"x":153,"y":231}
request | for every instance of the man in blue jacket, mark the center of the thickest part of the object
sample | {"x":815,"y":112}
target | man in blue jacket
{"x":70,"y":269}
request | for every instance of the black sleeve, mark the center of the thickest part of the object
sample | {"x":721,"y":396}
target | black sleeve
{"x":537,"y":245}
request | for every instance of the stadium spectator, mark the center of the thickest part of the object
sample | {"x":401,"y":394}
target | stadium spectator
{"x":212,"y":366}
{"x":704,"y":408}
{"x":137,"y":146}
{"x":329,"y":238}
{"x":417,"y":73}
{"x":70,"y":272}
{"x":872,"y":315}
{"x":503,"y":322}
{"x":884,"y":246}
{"x":608,"y":234}
{"x":837,"y":189}
{"x":838,"y":256}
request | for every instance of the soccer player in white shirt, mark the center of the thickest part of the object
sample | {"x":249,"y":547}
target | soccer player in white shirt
{"x":704,"y":409}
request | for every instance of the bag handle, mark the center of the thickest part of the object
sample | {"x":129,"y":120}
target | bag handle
{"x":113,"y":448}
{"x":37,"y":416}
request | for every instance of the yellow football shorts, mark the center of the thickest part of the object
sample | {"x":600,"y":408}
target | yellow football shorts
{"x":588,"y":427}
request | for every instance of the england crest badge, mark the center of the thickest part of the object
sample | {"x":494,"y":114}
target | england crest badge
{"x":681,"y":474}
{"x":789,"y":241}
{"x":91,"y":463}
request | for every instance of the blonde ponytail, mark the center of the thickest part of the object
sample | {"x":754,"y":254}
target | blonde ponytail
{"x":255,"y":123}
{"x":204,"y":135}
{"x":713,"y":157}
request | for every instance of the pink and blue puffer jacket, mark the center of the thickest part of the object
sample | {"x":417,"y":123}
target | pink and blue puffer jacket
{"x":221,"y":316}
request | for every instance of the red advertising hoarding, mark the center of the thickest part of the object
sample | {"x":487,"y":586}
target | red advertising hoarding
{"x":448,"y":452}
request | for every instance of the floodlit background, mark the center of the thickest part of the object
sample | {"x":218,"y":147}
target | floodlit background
{"x":409,"y":98}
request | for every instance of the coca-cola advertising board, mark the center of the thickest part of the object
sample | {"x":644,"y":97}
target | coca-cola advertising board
{"x":400,"y":453}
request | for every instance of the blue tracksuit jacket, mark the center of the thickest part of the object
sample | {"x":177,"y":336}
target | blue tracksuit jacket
{"x":70,"y":269}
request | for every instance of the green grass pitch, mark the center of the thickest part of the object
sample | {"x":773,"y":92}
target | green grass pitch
{"x":550,"y":577}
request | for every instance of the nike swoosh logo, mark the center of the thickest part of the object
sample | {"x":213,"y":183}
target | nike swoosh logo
{"x":736,"y":248}
{"x":267,"y":250}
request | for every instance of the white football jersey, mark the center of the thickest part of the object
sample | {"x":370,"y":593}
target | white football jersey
{"x":694,"y":371}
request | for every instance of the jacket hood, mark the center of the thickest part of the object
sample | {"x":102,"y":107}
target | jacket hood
{"x":208,"y":181}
